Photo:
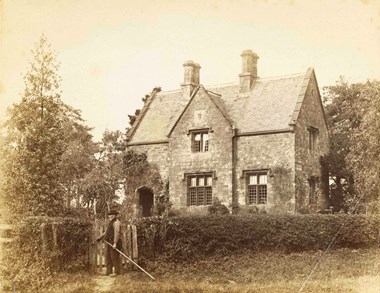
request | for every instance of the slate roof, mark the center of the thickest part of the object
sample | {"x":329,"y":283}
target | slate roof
{"x":272,"y":104}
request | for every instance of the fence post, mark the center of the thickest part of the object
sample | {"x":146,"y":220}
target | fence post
{"x":124,"y":243}
{"x":135,"y":254}
{"x":128,"y":245}
{"x":44,"y":237}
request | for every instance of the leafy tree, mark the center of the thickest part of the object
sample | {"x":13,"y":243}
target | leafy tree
{"x":342,"y":119}
{"x":78,"y":158}
{"x":101,"y":186}
{"x":352,"y":115}
{"x":34,"y":140}
{"x":365,"y":151}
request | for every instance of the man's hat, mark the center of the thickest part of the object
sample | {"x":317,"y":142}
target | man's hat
{"x":112,"y":212}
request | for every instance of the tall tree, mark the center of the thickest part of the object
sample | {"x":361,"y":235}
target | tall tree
{"x":365,"y":151}
{"x":352,"y":114}
{"x":78,"y":158}
{"x":34,"y":140}
{"x":102,"y":184}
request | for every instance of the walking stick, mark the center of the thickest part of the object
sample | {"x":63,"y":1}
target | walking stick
{"x":128,"y":258}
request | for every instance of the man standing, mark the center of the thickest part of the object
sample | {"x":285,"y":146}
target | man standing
{"x":112,"y":236}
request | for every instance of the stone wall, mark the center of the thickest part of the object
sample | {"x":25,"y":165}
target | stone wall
{"x":157,"y":155}
{"x":307,"y":161}
{"x":273,"y":152}
{"x":201,"y":113}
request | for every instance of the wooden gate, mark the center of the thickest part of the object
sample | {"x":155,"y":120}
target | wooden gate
{"x":97,"y":250}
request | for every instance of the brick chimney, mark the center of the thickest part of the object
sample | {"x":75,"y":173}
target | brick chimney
{"x":191,"y":77}
{"x":249,"y":70}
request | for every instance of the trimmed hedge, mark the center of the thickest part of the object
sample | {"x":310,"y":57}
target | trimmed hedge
{"x":34,"y":257}
{"x":198,"y":236}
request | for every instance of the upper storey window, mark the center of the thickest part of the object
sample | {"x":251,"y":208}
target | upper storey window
{"x":199,"y":141}
{"x":313,"y":138}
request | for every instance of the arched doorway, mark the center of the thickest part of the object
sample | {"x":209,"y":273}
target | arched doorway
{"x":146,"y":201}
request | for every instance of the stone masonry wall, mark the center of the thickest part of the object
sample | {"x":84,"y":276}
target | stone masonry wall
{"x":270,"y":151}
{"x":157,"y":155}
{"x":201,"y":113}
{"x":307,"y":162}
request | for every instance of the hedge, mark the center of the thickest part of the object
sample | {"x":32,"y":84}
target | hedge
{"x":35,"y":256}
{"x":199,"y":236}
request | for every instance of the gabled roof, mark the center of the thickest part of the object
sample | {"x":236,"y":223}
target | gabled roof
{"x":215,"y":98}
{"x":270,"y":105}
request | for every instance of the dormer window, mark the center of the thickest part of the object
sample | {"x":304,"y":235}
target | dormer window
{"x":199,"y":141}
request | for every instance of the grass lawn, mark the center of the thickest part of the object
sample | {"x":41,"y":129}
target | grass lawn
{"x":341,"y":270}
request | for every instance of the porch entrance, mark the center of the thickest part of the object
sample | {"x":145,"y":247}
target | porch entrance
{"x":146,"y":201}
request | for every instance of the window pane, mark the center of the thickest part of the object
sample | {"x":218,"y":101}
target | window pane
{"x":193,"y":196}
{"x":201,"y":196}
{"x":209,"y":181}
{"x":208,"y":195}
{"x":262,"y":179}
{"x":253,"y":179}
{"x":262,"y":194}
{"x":193,"y":181}
{"x":197,"y":137}
{"x":197,"y":146}
{"x":205,"y":146}
{"x":201,"y":181}
{"x":252,"y":194}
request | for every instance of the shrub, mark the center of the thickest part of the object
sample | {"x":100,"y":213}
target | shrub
{"x":217,"y":208}
{"x":193,"y":237}
{"x":43,"y":247}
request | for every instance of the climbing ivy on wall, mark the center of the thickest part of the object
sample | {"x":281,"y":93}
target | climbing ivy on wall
{"x":283,"y":190}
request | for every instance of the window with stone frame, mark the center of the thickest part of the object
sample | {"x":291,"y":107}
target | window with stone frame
{"x":199,"y":141}
{"x":199,"y":190}
{"x":257,"y":188}
{"x":313,"y":138}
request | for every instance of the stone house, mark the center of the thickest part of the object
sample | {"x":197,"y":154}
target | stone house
{"x":254,"y":143}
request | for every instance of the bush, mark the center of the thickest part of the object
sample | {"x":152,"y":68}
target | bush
{"x":43,"y":247}
{"x":217,"y":208}
{"x":193,"y":237}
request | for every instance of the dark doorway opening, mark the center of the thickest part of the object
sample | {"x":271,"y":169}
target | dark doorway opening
{"x":146,"y":201}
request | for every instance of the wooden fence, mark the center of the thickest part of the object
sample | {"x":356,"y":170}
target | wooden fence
{"x":98,"y":250}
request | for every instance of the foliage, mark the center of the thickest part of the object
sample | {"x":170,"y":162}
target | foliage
{"x":132,"y":118}
{"x":353,"y":119}
{"x":162,"y":202}
{"x":194,"y":237}
{"x":34,"y":141}
{"x":78,"y":157}
{"x":101,"y":185}
{"x":139,"y":173}
{"x":217,"y":208}
{"x":282,"y":187}
{"x":43,"y":247}
{"x":151,"y":235}
{"x":366,"y":148}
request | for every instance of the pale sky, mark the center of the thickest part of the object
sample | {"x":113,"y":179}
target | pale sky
{"x":114,"y":52}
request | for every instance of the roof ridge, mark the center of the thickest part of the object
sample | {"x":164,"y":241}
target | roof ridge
{"x":283,"y":76}
{"x":169,"y":91}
